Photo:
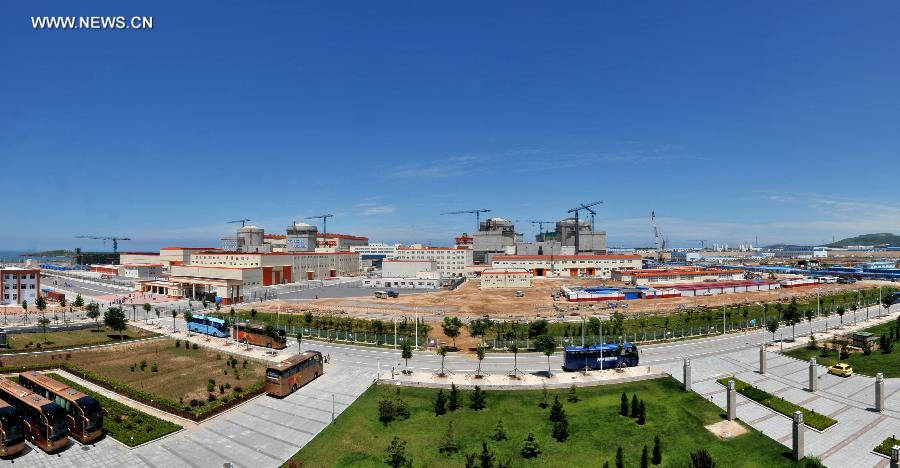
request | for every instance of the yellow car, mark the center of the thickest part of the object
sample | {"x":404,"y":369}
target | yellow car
{"x":843,"y":370}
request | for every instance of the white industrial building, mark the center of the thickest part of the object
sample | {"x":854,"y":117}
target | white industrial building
{"x":495,"y":278}
{"x":451,"y":262}
{"x":406,"y":268}
{"x":386,"y":251}
{"x":19,"y":284}
{"x":224,"y":276}
{"x":141,"y":270}
{"x":596,"y":266}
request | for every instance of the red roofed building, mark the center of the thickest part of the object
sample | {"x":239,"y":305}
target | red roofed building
{"x":676,"y":275}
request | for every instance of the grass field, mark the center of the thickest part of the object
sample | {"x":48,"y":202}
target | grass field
{"x":123,"y":423}
{"x":810,"y":418}
{"x":19,"y":342}
{"x":888,"y":364}
{"x":181,"y":373}
{"x":596,"y":430}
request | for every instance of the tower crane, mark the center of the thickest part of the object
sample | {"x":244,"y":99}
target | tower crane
{"x":539,"y":223}
{"x":242,"y":221}
{"x":477,"y":215}
{"x":576,"y":210}
{"x":660,"y":241}
{"x":324,"y":218}
{"x":115,"y":240}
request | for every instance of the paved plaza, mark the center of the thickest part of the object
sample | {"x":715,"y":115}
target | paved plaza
{"x":851,"y":401}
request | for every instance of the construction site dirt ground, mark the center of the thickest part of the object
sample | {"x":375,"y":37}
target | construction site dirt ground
{"x":469,"y":301}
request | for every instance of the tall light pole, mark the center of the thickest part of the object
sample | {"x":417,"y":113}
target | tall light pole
{"x":417,"y":327}
{"x":601,"y":341}
{"x":395,"y":329}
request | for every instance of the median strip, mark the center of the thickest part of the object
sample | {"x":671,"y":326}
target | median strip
{"x":812,"y":419}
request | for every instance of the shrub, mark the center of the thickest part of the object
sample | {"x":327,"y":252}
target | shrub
{"x":154,"y":368}
{"x":448,"y":444}
{"x":573,"y":396}
{"x":702,"y":459}
{"x":210,"y":386}
{"x":143,"y":364}
{"x":227,"y":385}
{"x":211,"y":397}
{"x":177,"y":343}
{"x":194,"y":403}
{"x":238,"y":389}
{"x":196,"y":346}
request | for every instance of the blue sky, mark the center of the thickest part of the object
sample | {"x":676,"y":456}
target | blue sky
{"x":730,"y":119}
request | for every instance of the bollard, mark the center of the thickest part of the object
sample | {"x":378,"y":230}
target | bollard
{"x":798,"y":435}
{"x":732,"y":401}
{"x":687,"y":374}
{"x":895,"y":456}
{"x":762,"y":359}
{"x":813,"y":377}
{"x":879,"y":392}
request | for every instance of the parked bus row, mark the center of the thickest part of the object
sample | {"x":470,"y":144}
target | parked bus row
{"x":47,"y":413}
{"x":246,"y":333}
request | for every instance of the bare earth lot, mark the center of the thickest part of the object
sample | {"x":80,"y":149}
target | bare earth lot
{"x":470,"y":301}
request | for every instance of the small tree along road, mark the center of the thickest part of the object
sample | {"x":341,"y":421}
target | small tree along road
{"x":547,"y":345}
{"x":114,"y":318}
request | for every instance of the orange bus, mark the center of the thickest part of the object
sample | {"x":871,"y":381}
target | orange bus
{"x":12,"y":433}
{"x":257,"y":336}
{"x":44,"y":421}
{"x":294,"y":372}
{"x":83,"y":412}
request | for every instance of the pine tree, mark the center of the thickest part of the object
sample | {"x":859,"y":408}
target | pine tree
{"x":561,"y":429}
{"x":557,"y":413}
{"x":453,"y":402}
{"x":620,"y":458}
{"x":645,"y":460}
{"x":657,"y":451}
{"x":478,"y":400}
{"x":530,"y":449}
{"x":448,"y":445}
{"x":642,"y":414}
{"x":487,"y":456}
{"x":440,"y":404}
{"x":499,"y":432}
{"x":396,"y":454}
{"x":573,"y":396}
{"x":634,"y":406}
{"x":623,"y":408}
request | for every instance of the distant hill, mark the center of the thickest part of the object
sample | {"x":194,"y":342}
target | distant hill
{"x":880,"y":239}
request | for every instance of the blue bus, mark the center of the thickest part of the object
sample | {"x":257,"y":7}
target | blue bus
{"x":208,"y":325}
{"x":605,"y":356}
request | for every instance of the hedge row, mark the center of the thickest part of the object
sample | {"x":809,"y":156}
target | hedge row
{"x":810,"y":417}
{"x":125,"y":424}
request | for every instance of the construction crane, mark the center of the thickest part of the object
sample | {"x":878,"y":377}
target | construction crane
{"x":701,"y":241}
{"x":660,"y":241}
{"x":324,"y":218}
{"x":539,"y":223}
{"x":576,"y":210}
{"x":115,"y":240}
{"x":477,"y":215}
{"x":593,"y":213}
{"x":242,"y":221}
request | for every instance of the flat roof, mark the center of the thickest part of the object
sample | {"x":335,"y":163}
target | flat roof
{"x":567,"y":257}
{"x":505,"y":271}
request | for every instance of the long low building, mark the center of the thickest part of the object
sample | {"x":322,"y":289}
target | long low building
{"x":495,"y":278}
{"x":676,"y":275}
{"x":553,"y":266}
{"x":224,"y":276}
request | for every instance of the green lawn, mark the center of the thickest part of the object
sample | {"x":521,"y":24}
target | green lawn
{"x":123,"y":423}
{"x":888,"y":364}
{"x":810,"y":418}
{"x":596,"y":429}
{"x":885,"y":446}
{"x":19,"y":342}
